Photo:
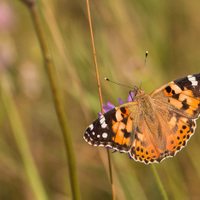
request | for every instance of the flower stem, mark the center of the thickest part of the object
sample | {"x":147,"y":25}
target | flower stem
{"x":160,"y":185}
{"x":100,"y":95}
{"x":57,"y":99}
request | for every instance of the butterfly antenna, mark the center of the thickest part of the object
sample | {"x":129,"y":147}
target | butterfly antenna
{"x":145,"y":60}
{"x":107,"y":79}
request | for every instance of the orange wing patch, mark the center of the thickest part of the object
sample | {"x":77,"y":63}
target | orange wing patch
{"x":146,"y":154}
{"x":182,"y":132}
{"x":122,"y":128}
{"x":176,"y":103}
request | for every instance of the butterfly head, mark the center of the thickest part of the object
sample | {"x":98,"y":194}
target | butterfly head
{"x":138,"y":92}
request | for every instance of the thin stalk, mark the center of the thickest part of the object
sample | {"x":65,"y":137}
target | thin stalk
{"x":160,"y":185}
{"x":100,"y":95}
{"x":57,"y":98}
{"x":111,"y":175}
{"x":22,"y":142}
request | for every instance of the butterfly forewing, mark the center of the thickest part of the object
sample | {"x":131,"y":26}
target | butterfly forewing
{"x":113,"y":129}
{"x":181,"y":95}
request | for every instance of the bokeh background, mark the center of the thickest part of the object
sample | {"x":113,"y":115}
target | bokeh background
{"x":123,"y":31}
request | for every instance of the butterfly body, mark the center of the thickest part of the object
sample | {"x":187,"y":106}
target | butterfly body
{"x":151,"y":127}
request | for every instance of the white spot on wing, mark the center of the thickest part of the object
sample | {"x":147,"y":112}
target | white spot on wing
{"x":104,"y":125}
{"x":193,"y":80}
{"x":104,"y":135}
{"x":91,"y":126}
{"x":102,"y":122}
{"x":102,"y":119}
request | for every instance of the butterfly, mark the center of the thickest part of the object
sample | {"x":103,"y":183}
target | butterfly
{"x":151,"y":127}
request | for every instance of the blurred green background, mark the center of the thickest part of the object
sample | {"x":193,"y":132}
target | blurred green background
{"x":123,"y":32}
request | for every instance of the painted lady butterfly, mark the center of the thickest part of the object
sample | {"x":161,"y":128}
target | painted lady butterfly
{"x":152,"y":127}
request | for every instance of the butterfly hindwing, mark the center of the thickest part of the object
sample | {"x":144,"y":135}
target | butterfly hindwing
{"x":173,"y":136}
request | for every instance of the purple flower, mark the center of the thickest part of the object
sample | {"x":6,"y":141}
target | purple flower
{"x":110,"y":106}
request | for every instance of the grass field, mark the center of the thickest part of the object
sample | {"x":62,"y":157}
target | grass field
{"x":31,"y":141}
